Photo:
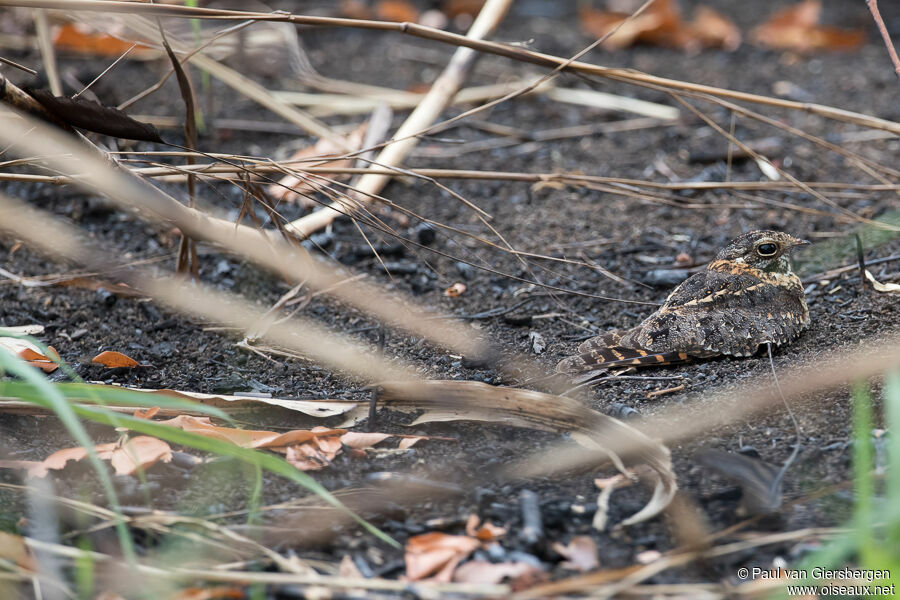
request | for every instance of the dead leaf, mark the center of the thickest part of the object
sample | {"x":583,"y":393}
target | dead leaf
{"x":455,"y":290}
{"x":882,"y":287}
{"x":14,"y":549}
{"x":146,"y":414}
{"x":580,"y":554}
{"x":355,"y":439}
{"x":312,"y":408}
{"x":355,"y":9}
{"x":797,"y":28}
{"x":435,"y":555}
{"x":218,"y":592}
{"x":409,"y":442}
{"x":115,"y":360}
{"x":396,"y":10}
{"x":488,"y":532}
{"x":661,"y":24}
{"x":480,"y":571}
{"x":138,"y":453}
{"x":81,"y":39}
{"x":713,"y":30}
{"x":476,"y":401}
{"x":295,"y":189}
{"x":35,"y":468}
{"x":31,"y":353}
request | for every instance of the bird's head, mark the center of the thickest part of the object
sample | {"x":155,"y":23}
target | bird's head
{"x":764,"y":250}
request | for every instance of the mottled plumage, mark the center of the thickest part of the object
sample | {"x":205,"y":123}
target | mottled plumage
{"x":745,"y":297}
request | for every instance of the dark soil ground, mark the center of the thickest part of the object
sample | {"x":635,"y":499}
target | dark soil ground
{"x":630,"y":237}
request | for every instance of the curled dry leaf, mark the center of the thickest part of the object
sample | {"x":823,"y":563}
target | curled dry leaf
{"x":312,"y":408}
{"x":797,"y":28}
{"x":146,"y":414}
{"x":661,"y":25}
{"x":580,"y":554}
{"x":881,"y":287}
{"x":355,"y":439}
{"x":115,"y":360}
{"x":137,"y":453}
{"x":481,"y":571}
{"x":31,"y":353}
{"x":487,"y":532}
{"x":475,"y":401}
{"x":435,"y":555}
{"x":127,"y":458}
{"x":455,"y":290}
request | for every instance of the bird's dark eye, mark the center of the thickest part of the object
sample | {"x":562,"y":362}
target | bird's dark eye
{"x":767,"y":249}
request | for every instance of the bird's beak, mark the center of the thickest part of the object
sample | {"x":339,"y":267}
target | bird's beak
{"x":799,"y":242}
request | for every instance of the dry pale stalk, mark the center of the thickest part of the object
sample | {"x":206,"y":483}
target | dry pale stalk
{"x":434,"y":102}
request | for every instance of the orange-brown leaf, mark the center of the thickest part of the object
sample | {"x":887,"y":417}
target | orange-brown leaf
{"x":455,"y":290}
{"x":713,"y":30}
{"x":114,"y":360}
{"x":396,"y":10}
{"x":146,"y":414}
{"x":487,"y":532}
{"x":797,"y":28}
{"x":141,"y":452}
{"x":77,"y":38}
{"x":245,"y":438}
{"x":436,"y":555}
{"x":355,"y":439}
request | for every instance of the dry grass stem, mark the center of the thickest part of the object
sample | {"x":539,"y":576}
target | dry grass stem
{"x":290,"y":261}
{"x":431,"y":106}
{"x":513,"y":52}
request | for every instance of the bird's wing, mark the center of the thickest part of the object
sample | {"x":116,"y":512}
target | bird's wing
{"x":721,"y":313}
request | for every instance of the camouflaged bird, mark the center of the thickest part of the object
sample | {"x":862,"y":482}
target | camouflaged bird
{"x":747,"y":296}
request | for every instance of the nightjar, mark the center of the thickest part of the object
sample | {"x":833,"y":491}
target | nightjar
{"x":747,"y":296}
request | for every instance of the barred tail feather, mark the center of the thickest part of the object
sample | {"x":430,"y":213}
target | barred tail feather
{"x":597,"y":357}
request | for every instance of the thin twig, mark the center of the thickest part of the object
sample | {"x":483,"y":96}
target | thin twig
{"x":876,"y":14}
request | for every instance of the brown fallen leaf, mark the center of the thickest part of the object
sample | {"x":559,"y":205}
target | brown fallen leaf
{"x":713,"y":30}
{"x":146,"y":414}
{"x":797,"y":28}
{"x":127,"y":458}
{"x":141,"y":452}
{"x":115,"y":360}
{"x":31,"y":353}
{"x":435,"y":555}
{"x":580,"y":554}
{"x":81,"y":39}
{"x":661,"y":24}
{"x":455,"y":290}
{"x":487,"y":532}
{"x":481,"y":571}
{"x":217,"y":592}
{"x":35,"y":468}
{"x":396,"y":10}
{"x":355,"y":439}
